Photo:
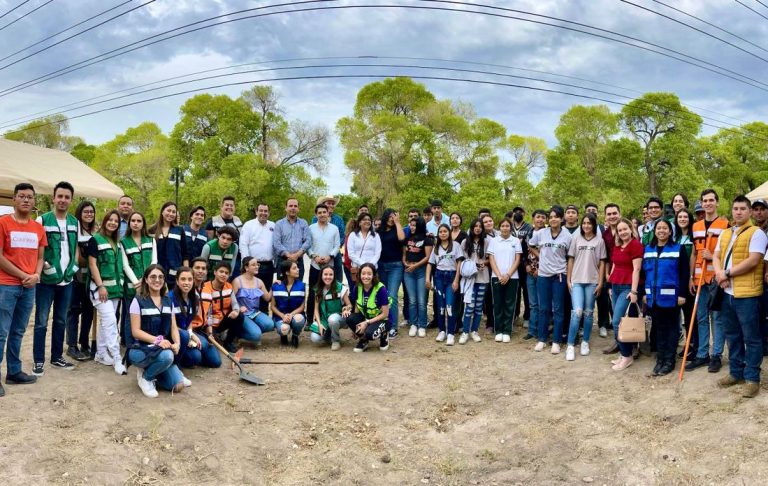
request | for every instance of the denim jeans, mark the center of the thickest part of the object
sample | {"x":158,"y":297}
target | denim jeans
{"x":620,"y":302}
{"x":183,"y":347}
{"x":331,"y":333}
{"x":473,"y":311}
{"x":297,"y":324}
{"x":533,"y":301}
{"x":207,"y":355}
{"x":444,"y":293}
{"x":702,"y":317}
{"x":80,"y":315}
{"x":583,"y":301}
{"x":254,"y":325}
{"x":160,"y":368}
{"x":551,"y":291}
{"x":391,"y":275}
{"x":504,"y":297}
{"x":15,"y":308}
{"x":741,"y":321}
{"x":45,"y":295}
{"x":415,"y":282}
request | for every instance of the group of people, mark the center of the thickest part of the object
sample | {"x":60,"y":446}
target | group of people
{"x":175,"y":295}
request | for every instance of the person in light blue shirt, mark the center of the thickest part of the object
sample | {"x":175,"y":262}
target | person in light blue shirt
{"x":336,"y":220}
{"x":438,"y":217}
{"x":324,"y":237}
{"x":291,"y":239}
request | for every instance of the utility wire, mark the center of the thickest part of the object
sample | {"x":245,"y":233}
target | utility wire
{"x":695,"y":28}
{"x":25,"y":15}
{"x":65,"y":30}
{"x":114,"y":53}
{"x":14,"y":8}
{"x":750,"y":8}
{"x":358,"y":65}
{"x":711,"y":25}
{"x":376,"y":76}
{"x":761,"y":3}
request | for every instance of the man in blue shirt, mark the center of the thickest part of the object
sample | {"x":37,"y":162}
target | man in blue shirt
{"x":438,"y":217}
{"x":291,"y":239}
{"x":330,"y":202}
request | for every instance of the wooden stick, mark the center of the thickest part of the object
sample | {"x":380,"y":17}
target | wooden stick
{"x":693,"y":320}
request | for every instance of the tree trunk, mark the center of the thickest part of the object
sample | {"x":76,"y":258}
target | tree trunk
{"x":652,"y":186}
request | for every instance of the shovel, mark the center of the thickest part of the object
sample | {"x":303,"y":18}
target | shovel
{"x":244,"y":375}
{"x":239,"y":357}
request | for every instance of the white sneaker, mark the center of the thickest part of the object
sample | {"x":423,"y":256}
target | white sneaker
{"x":147,"y":387}
{"x":555,"y":348}
{"x":476,"y":337}
{"x":422,"y":332}
{"x":525,"y":324}
{"x":412,"y":331}
{"x":584,"y":348}
{"x":186,"y":381}
{"x":498,"y":338}
{"x":440,"y":337}
{"x":120,"y":367}
{"x":570,"y":353}
{"x":104,"y":359}
{"x":505,"y":338}
{"x":540,"y":346}
{"x":449,"y":341}
{"x":463,"y":338}
{"x":335,"y":346}
{"x":603,"y":332}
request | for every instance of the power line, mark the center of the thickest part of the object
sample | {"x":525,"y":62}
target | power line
{"x":695,"y":28}
{"x":398,"y":66}
{"x":353,"y":76}
{"x":761,"y":3}
{"x":750,"y":8}
{"x":711,"y":25}
{"x":74,"y":35}
{"x":114,"y":53}
{"x":65,"y":30}
{"x":25,"y":15}
{"x":14,"y":8}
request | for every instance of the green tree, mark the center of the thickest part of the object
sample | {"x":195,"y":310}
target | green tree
{"x":585,"y":131}
{"x":528,"y":154}
{"x":49,"y":132}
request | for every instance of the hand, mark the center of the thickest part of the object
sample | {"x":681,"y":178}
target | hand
{"x":243,"y":309}
{"x":175,"y":348}
{"x":528,"y":269}
{"x":137,"y":285}
{"x":429,"y":285}
{"x":598,"y":289}
{"x":681,"y":301}
{"x":408,"y":268}
{"x":503,"y":280}
{"x":360,"y":328}
{"x":165,"y":344}
{"x":320,"y":328}
{"x":30,"y":280}
{"x":396,"y":216}
{"x":103,"y":294}
{"x":234,"y":314}
{"x":692,"y":286}
{"x":570,"y":285}
{"x":455,"y":285}
{"x":195,"y":340}
{"x":706,"y":254}
{"x":632,"y":298}
{"x":645,"y":300}
{"x":287,"y":318}
{"x":720,"y":276}
{"x":345,"y":313}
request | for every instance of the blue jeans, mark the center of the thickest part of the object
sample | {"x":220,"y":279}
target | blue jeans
{"x":473,"y":311}
{"x":160,"y":368}
{"x":254,"y":325}
{"x":415,"y":282}
{"x":582,"y":304}
{"x":620,"y":302}
{"x":45,"y":295}
{"x":551,"y":293}
{"x":207,"y":355}
{"x":331,"y":333}
{"x":533,"y":300}
{"x":391,"y":275}
{"x":80,"y":314}
{"x":741,"y":320}
{"x":15,"y":308}
{"x":297,"y":324}
{"x":702,"y":318}
{"x":446,"y":320}
{"x":183,"y":349}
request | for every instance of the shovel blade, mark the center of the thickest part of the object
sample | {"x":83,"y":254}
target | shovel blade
{"x":251,"y":378}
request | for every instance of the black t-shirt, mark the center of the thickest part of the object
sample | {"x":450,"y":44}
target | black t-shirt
{"x":391,"y":247}
{"x":460,"y":238}
{"x":416,"y":248}
{"x":92,"y":250}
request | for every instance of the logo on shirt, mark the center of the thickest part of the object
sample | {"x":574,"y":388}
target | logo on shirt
{"x":24,"y":239}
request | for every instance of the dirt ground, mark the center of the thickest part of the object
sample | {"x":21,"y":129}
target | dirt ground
{"x":421,"y":413}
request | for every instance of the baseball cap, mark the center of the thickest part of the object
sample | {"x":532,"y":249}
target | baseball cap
{"x":697,"y":207}
{"x":760,"y":201}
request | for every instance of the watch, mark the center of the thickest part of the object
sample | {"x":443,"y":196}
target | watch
{"x":728,"y":273}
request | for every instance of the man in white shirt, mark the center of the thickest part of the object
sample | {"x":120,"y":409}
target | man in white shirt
{"x":256,"y":242}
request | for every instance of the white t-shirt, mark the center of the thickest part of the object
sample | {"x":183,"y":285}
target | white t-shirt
{"x":757,"y":244}
{"x":504,"y":252}
{"x":447,"y":260}
{"x":65,"y":257}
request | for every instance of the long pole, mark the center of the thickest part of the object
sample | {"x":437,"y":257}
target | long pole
{"x":693,"y":320}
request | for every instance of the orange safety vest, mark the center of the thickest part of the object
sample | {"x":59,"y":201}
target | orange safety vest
{"x":706,"y":239}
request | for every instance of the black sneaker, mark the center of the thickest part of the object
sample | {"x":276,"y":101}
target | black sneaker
{"x":60,"y":363}
{"x":528,"y":337}
{"x":362,"y":345}
{"x":38,"y":370}
{"x":666,"y":368}
{"x":76,"y":354}
{"x":284,"y":340}
{"x":383,"y":343}
{"x":657,"y":368}
{"x":697,"y":363}
{"x":715,"y":364}
{"x":295,"y":341}
{"x":20,"y":378}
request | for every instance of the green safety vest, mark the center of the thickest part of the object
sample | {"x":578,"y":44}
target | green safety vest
{"x":329,"y":305}
{"x":369,"y":308}
{"x":139,"y":258}
{"x":217,"y":255}
{"x":110,"y":263}
{"x":53,"y":274}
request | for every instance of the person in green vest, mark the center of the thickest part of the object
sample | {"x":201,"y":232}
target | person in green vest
{"x":55,"y":288}
{"x":139,"y":252}
{"x":370,"y":320}
{"x":332,"y":308}
{"x":222,"y":249}
{"x":105,"y":284}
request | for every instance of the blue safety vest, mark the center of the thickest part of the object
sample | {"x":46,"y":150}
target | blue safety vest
{"x":286,"y":301}
{"x":170,"y":252}
{"x":662,"y":282}
{"x":195,"y":242}
{"x":154,"y":321}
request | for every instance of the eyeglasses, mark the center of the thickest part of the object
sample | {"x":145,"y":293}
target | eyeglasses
{"x":89,"y":212}
{"x":653,"y":208}
{"x":21,"y":197}
{"x":156,"y":278}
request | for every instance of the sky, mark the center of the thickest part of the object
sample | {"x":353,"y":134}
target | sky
{"x":465,"y":34}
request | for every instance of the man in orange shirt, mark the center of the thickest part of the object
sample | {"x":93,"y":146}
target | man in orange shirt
{"x":22,"y":243}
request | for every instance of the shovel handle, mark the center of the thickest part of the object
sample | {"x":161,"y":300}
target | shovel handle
{"x":224,"y":351}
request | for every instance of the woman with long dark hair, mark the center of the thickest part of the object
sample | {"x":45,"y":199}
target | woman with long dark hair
{"x":139,"y":252}
{"x":446,"y":258}
{"x":81,"y":307}
{"x":684,"y":237}
{"x":370,"y":319}
{"x":332,"y":308}
{"x":171,"y":241}
{"x":416,"y":253}
{"x":364,"y":244}
{"x":390,"y":266}
{"x":474,"y":286}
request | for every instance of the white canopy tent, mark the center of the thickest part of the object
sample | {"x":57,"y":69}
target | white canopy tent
{"x":760,"y":192}
{"x":44,"y":168}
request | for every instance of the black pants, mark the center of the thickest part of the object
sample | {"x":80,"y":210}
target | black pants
{"x":377,"y":330}
{"x":314,"y":276}
{"x":522,"y":297}
{"x":80,"y":312}
{"x":234,"y":328}
{"x":267,"y":275}
{"x":666,"y":324}
{"x":604,"y":308}
{"x":687,"y":313}
{"x":488,"y":309}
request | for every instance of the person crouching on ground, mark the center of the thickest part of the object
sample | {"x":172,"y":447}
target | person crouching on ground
{"x":154,"y":339}
{"x":332,"y":308}
{"x":370,"y":320}
{"x":288,"y":303}
{"x":220,"y":313}
{"x":250,"y":291}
